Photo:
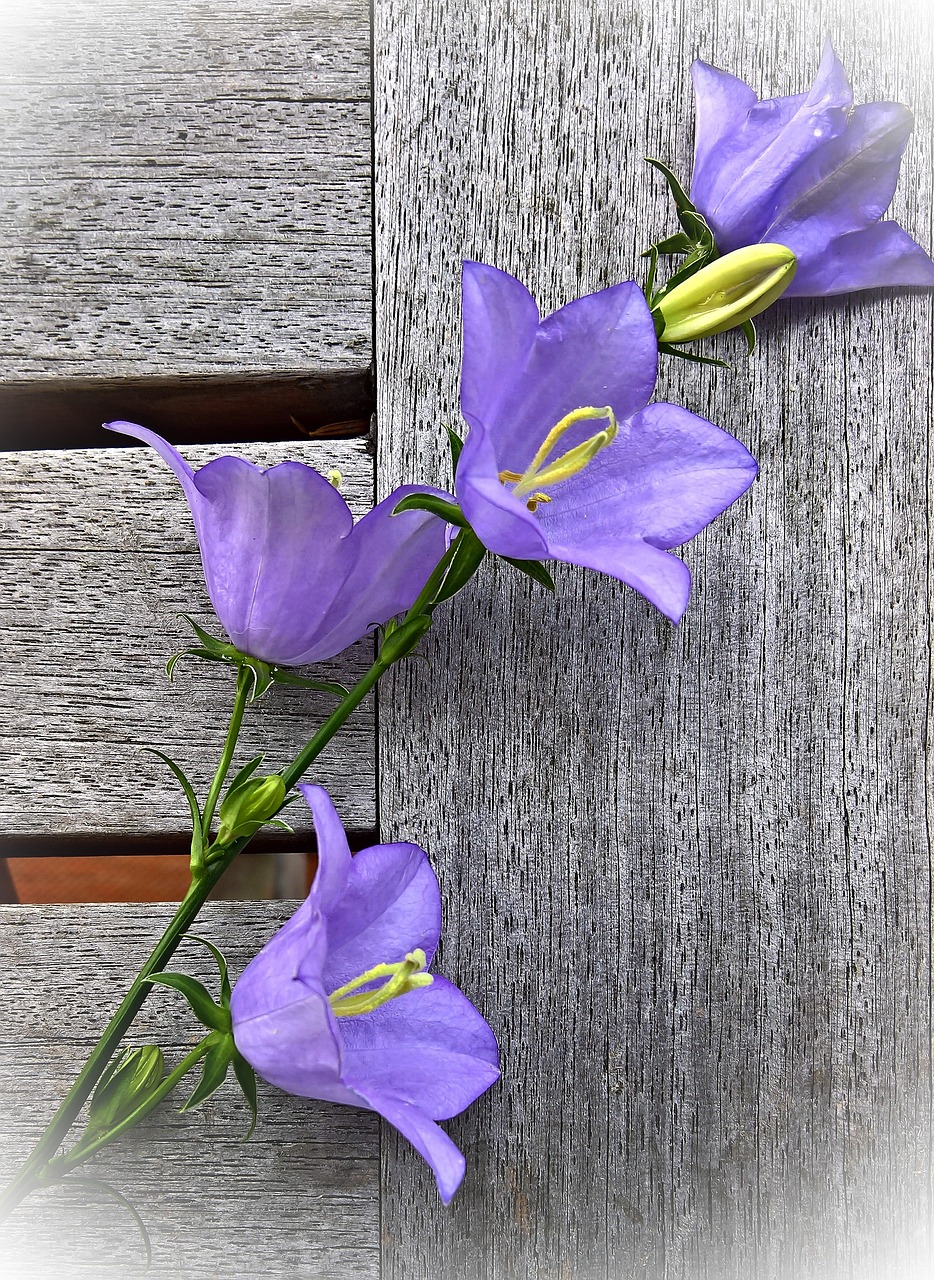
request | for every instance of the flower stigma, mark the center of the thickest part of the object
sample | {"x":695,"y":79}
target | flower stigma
{"x":402,"y":977}
{"x":541,"y":474}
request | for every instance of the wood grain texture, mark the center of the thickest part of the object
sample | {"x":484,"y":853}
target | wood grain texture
{"x":99,"y":557}
{"x":686,"y":872}
{"x":184,"y":187}
{"x":300,"y":1198}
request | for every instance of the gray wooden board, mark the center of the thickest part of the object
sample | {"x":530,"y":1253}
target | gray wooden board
{"x":99,"y":557}
{"x":184,"y":187}
{"x":300,"y":1198}
{"x":686,"y":871}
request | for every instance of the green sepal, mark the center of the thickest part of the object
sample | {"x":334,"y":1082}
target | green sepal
{"x":221,"y":963}
{"x":676,"y":244}
{"x":468,"y":556}
{"x":749,"y":332}
{"x":679,"y":195}
{"x":205,"y":1010}
{"x":282,"y":676}
{"x":248,"y":805}
{"x":242,"y":774}
{"x":456,"y":444}
{"x":403,"y":639}
{"x":667,"y":349}
{"x":214,"y":650}
{"x":448,"y":511}
{"x":533,"y":569}
{"x":213,"y":1073}
{"x":197,"y":835}
{"x":246,"y":1079}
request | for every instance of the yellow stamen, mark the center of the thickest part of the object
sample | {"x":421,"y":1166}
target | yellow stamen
{"x":405,"y":976}
{"x":538,"y":475}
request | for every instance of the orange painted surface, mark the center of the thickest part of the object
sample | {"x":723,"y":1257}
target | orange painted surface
{"x":114,"y":878}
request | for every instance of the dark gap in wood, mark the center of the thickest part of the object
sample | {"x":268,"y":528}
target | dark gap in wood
{"x":67,"y":414}
{"x":88,"y":846}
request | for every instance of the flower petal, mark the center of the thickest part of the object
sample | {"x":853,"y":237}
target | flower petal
{"x":390,"y":905}
{"x":658,"y":575}
{"x":430,"y":1047}
{"x":662,"y":480}
{"x":334,"y":860}
{"x":500,"y":320}
{"x":882,"y":254}
{"x":429,"y":1140}
{"x":502,"y":523}
{"x":762,"y":149}
{"x":721,"y":101}
{"x":390,"y":559}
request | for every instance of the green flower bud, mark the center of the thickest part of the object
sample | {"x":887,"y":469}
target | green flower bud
{"x":125,"y":1086}
{"x":726,"y":293}
{"x":247,"y":807}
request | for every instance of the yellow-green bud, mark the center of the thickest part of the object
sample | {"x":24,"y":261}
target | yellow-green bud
{"x":248,"y":806}
{"x":727,"y":293}
{"x":126,"y":1084}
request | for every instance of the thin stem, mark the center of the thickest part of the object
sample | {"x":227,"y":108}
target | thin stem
{"x":244,"y":684}
{"x":427,"y":594}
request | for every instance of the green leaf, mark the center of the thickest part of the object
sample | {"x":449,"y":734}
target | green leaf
{"x":652,"y":254}
{"x":468,"y":557}
{"x":448,"y":511}
{"x":533,"y":569}
{"x":197,"y":835}
{"x":221,"y":962}
{"x":456,"y":444}
{"x":304,"y":682}
{"x":749,"y":329}
{"x":246,"y":1078}
{"x":213,"y":1075}
{"x":682,"y":202}
{"x":83,"y":1181}
{"x":667,"y":349}
{"x":197,"y":995}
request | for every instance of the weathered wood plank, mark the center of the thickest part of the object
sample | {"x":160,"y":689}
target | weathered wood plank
{"x":184,"y":188}
{"x":686,"y":872}
{"x":300,"y":1198}
{"x":99,"y":558}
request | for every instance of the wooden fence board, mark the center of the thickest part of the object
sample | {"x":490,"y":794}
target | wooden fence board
{"x":686,"y":871}
{"x":185,"y":188}
{"x":300,"y":1198}
{"x":99,"y":558}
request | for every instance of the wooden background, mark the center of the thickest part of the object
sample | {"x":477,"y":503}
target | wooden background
{"x":686,"y":872}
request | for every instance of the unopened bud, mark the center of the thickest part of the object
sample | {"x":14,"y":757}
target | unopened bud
{"x":248,"y":806}
{"x":725,"y":294}
{"x":124,"y":1087}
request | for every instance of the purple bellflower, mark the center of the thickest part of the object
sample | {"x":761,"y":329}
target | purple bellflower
{"x":338,"y":1004}
{"x":811,"y":172}
{"x":563,"y":460}
{"x":291,"y":577}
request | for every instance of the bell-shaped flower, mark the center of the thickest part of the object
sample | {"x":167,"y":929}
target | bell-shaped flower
{"x":338,"y":1004}
{"x":565,"y":459}
{"x":291,"y":577}
{"x":809,"y":171}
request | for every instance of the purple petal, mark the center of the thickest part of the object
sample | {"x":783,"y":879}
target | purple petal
{"x":500,"y":320}
{"x":428,"y":1139}
{"x":391,"y":558}
{"x":882,"y":254}
{"x":658,"y":575}
{"x":762,"y":149}
{"x":390,"y":906}
{"x":722,"y":101}
{"x":430,"y":1047}
{"x":599,"y":350}
{"x":288,"y":968}
{"x":334,"y":861}
{"x":503,"y":523}
{"x":845,"y":185}
{"x":663,"y":480}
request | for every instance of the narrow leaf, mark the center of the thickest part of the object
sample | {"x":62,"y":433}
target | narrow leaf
{"x":221,"y":964}
{"x":682,"y":202}
{"x":197,"y":995}
{"x":210,"y":642}
{"x":448,"y":511}
{"x":304,"y":682}
{"x":75,"y":1180}
{"x":667,"y":349}
{"x":465,"y":563}
{"x":678,"y":243}
{"x":250,"y":767}
{"x":456,"y":444}
{"x":533,"y":569}
{"x":749,"y":329}
{"x":214,"y":1074}
{"x":197,"y":838}
{"x":652,"y":254}
{"x":246,"y":1078}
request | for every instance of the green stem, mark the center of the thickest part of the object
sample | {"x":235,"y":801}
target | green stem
{"x":244,"y":684}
